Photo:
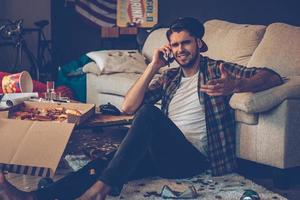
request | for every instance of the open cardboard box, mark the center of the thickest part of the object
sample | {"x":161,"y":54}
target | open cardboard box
{"x":34,"y":147}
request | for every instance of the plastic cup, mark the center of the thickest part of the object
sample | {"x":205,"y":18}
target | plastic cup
{"x":58,"y":95}
{"x":50,"y":86}
{"x":53,"y":96}
{"x":47,"y":96}
{"x":17,"y":83}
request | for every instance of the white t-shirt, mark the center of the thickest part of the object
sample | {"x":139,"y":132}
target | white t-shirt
{"x":188,"y":114}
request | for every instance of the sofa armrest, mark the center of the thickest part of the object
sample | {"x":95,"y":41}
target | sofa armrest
{"x":267,"y":99}
{"x":275,"y":139}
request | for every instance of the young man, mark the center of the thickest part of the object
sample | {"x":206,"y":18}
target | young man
{"x":193,"y":131}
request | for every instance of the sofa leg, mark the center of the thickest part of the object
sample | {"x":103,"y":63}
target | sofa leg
{"x":281,"y":178}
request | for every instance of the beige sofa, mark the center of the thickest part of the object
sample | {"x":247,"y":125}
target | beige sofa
{"x":268,"y":122}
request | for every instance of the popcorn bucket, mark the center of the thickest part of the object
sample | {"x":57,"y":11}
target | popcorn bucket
{"x":17,"y":83}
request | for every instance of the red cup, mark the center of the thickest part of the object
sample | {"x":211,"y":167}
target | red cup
{"x":17,"y":83}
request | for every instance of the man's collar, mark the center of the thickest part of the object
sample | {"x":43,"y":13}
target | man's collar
{"x":179,"y":73}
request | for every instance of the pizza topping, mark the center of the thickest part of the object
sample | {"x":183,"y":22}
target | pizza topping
{"x":45,"y":114}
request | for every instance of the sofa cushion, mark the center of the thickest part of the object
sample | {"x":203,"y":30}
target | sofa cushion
{"x":279,"y":50}
{"x":267,"y":99}
{"x":117,"y":84}
{"x":232,"y":42}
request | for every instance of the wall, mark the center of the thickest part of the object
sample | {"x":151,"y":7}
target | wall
{"x":72,"y":36}
{"x":29,"y":10}
{"x":238,"y":11}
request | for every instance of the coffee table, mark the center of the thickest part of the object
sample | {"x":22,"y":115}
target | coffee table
{"x":100,"y":120}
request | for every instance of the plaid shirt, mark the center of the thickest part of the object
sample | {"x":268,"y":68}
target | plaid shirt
{"x":220,"y":122}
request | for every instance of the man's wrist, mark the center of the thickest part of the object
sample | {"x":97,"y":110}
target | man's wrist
{"x":153,"y":67}
{"x":238,"y":82}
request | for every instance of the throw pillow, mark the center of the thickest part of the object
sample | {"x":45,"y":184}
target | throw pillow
{"x":115,"y":61}
{"x":232,"y":42}
{"x":279,"y":50}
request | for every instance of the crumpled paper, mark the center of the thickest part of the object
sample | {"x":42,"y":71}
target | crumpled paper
{"x":189,"y":193}
{"x":76,"y":162}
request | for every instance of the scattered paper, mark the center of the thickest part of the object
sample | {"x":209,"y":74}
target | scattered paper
{"x":13,"y":99}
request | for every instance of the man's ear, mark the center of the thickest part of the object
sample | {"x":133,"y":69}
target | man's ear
{"x":199,"y":42}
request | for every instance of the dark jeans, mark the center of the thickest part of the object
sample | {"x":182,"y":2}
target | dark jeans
{"x":152,"y":146}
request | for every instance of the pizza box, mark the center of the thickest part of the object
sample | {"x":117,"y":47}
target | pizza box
{"x":35,"y":147}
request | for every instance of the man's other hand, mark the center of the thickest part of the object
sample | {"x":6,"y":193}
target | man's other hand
{"x":223,"y":86}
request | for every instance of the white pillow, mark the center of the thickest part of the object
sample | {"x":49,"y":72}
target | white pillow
{"x":115,"y":61}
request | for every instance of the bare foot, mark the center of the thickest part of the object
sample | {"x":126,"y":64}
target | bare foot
{"x":10,"y":192}
{"x":98,"y":191}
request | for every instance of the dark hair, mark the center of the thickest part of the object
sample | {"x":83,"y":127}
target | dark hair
{"x":189,"y":24}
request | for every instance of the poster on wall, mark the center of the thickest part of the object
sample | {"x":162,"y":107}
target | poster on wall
{"x":137,"y":13}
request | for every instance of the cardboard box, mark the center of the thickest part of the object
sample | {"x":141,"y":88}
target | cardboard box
{"x":34,"y":147}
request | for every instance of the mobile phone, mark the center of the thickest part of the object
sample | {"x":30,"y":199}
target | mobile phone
{"x":170,"y":58}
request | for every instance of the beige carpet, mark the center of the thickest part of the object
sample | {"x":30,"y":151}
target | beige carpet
{"x":229,"y":187}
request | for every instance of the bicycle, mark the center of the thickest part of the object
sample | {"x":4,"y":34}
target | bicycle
{"x":44,"y":51}
{"x":15,"y":54}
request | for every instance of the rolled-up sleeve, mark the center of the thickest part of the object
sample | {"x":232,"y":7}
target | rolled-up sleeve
{"x":241,"y":71}
{"x":154,"y":91}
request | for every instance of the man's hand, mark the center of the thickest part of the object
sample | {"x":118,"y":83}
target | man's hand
{"x":158,"y":59}
{"x":224,"y":86}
